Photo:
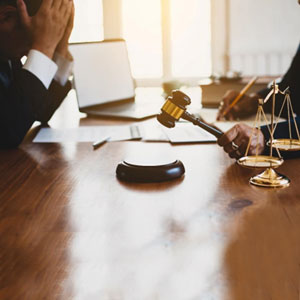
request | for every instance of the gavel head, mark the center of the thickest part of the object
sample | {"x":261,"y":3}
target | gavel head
{"x":173,"y":109}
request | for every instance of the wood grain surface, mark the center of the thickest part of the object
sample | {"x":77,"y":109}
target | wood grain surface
{"x":70,"y":230}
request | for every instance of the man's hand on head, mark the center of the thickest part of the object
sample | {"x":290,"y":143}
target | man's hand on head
{"x":47,"y":28}
{"x":236,"y":140}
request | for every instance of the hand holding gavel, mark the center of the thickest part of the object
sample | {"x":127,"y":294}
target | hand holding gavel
{"x":234,"y":141}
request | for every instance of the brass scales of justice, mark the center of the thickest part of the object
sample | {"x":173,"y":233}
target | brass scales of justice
{"x":270,"y":178}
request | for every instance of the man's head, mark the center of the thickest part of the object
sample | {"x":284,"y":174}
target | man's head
{"x":32,"y":5}
{"x":14,"y":40}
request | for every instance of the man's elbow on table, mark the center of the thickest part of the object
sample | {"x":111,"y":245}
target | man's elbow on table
{"x":11,"y":143}
{"x":11,"y":138}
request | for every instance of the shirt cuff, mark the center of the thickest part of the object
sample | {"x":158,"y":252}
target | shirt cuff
{"x":41,"y":66}
{"x":65,"y":68}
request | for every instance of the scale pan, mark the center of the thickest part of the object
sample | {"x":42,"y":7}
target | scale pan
{"x":286,"y":144}
{"x":260,"y":161}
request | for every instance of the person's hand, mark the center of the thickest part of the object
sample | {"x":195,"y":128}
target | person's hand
{"x":63,"y":45}
{"x":246,"y":106}
{"x":236,"y":140}
{"x":48,"y":26}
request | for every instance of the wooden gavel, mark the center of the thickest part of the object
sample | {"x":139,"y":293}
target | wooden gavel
{"x":175,"y":108}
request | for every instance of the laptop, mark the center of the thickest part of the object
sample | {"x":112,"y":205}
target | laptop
{"x":104,"y":84}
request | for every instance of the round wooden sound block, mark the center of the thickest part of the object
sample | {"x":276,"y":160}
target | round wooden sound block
{"x":147,"y":171}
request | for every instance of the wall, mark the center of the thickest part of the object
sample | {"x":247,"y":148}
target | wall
{"x":263,"y":35}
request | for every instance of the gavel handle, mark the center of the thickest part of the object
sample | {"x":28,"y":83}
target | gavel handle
{"x":191,"y":118}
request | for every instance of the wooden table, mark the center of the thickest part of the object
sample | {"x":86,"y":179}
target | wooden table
{"x":70,"y":230}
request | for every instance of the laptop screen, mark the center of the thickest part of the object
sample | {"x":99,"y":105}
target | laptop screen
{"x":101,"y":72}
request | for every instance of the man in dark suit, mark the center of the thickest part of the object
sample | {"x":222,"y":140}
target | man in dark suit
{"x":240,"y":134}
{"x":39,"y":29}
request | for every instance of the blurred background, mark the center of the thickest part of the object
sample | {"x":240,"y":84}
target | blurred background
{"x":192,"y":39}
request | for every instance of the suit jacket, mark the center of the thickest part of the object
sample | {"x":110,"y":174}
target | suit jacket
{"x":24,"y":99}
{"x":292,"y":80}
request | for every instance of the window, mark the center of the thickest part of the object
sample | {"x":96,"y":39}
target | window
{"x":190,"y":38}
{"x":168,"y":39}
{"x":142,"y":31}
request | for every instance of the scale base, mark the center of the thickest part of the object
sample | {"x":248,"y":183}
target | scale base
{"x":270,"y":179}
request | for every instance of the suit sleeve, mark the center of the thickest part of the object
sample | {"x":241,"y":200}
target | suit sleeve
{"x":24,"y":101}
{"x":291,"y":80}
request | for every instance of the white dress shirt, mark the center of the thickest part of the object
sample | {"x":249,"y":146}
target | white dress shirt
{"x":46,"y":69}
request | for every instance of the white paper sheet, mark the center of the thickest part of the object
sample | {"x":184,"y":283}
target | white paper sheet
{"x":87,"y":134}
{"x":188,"y":133}
{"x":153,"y":132}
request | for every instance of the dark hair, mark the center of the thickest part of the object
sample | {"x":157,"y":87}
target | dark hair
{"x":32,"y":5}
{"x":8,"y":2}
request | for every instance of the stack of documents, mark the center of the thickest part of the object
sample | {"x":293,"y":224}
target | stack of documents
{"x":148,"y":132}
{"x":183,"y":132}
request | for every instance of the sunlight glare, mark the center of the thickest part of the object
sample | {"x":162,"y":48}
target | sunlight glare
{"x":142,"y":31}
{"x":88,"y":23}
{"x":191,"y":38}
